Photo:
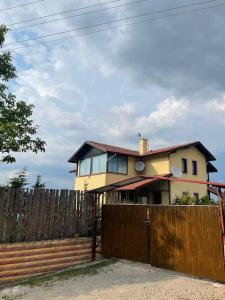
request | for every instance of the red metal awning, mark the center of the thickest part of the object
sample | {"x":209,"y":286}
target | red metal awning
{"x":136,"y":185}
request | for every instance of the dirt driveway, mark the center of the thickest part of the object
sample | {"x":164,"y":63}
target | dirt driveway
{"x":121,"y":280}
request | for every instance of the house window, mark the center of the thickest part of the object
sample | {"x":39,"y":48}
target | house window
{"x":117,"y":164}
{"x":85,"y":167}
{"x":184,"y":165}
{"x":196,"y":196}
{"x":99,"y":164}
{"x":194,"y":167}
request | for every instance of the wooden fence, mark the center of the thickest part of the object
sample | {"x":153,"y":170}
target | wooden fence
{"x":19,"y":261}
{"x":33,"y":215}
{"x":186,"y":239}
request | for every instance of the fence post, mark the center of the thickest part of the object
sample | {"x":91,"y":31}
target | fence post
{"x":222,"y":217}
{"x":94,"y":224}
{"x":147,"y":224}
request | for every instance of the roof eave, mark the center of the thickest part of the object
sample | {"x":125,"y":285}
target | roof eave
{"x":211,"y":168}
{"x":208,"y":155}
{"x":74,"y":158}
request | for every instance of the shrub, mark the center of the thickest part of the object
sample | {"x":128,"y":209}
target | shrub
{"x":185,"y":199}
{"x":205,"y":201}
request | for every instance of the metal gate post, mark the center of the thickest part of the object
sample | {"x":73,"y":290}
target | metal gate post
{"x":94,"y":225}
{"x":147,"y":223}
{"x":222,"y":217}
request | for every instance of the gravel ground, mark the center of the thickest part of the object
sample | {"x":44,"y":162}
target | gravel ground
{"x":122,"y":280}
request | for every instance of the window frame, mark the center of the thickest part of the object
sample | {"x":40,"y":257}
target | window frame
{"x":184,"y":169}
{"x":91,"y":166}
{"x":80,"y":167}
{"x":194,"y":167}
{"x":117,"y":156}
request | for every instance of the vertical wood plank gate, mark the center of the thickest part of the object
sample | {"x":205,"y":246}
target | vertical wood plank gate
{"x":186,"y":239}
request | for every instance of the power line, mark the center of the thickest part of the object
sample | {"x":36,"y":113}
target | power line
{"x":21,"y":5}
{"x":81,"y":14}
{"x":64,"y":12}
{"x":111,"y":22}
{"x":127,"y":24}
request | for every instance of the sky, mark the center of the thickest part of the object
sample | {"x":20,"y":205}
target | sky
{"x":164,"y":78}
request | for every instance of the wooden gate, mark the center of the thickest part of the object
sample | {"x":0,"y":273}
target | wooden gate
{"x":186,"y":239}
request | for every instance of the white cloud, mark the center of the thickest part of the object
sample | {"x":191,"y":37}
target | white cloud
{"x":126,"y":109}
{"x":41,"y":82}
{"x":218,"y":105}
{"x":126,"y":121}
{"x":167,"y":114}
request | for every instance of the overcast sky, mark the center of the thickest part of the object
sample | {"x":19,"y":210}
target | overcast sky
{"x":164,"y":78}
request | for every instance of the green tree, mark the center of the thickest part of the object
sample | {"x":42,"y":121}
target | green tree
{"x":38,"y":184}
{"x":20,"y":181}
{"x":17,"y":129}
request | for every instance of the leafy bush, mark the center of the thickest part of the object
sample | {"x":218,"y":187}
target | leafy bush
{"x":187,"y":199}
{"x":205,"y":201}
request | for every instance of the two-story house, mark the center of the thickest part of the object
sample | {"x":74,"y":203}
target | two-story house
{"x":104,"y":168}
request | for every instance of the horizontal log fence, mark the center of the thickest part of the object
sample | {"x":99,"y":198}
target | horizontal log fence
{"x":20,"y":261}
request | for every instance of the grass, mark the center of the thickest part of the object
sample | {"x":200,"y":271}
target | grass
{"x":92,"y":269}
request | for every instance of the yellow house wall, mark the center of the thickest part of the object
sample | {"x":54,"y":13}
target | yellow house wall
{"x":156,"y":166}
{"x":93,"y":181}
{"x":165,"y":188}
{"x":165,"y":198}
{"x":177,"y":188}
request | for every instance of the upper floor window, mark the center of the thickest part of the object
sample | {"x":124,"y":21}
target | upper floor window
{"x":118,"y":164}
{"x":194,"y":167}
{"x":85,"y":167}
{"x":99,"y":164}
{"x":184,"y":165}
{"x":93,"y":165}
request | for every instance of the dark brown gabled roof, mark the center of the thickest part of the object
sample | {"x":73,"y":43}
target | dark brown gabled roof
{"x":104,"y":148}
{"x":109,"y":148}
{"x":172,"y":149}
{"x":114,"y":149}
{"x":211,"y":168}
